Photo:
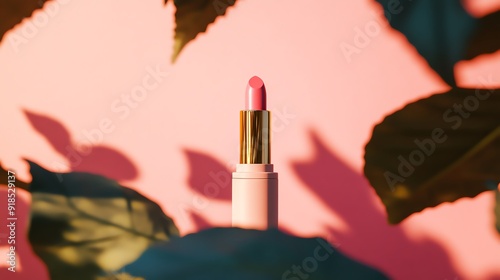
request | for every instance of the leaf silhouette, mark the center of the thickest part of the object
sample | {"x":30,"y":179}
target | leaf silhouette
{"x":233,"y":253}
{"x":52,"y":130}
{"x":13,"y":12}
{"x":208,"y":176}
{"x":485,"y":39}
{"x":365,"y":231}
{"x":84,"y":225}
{"x":439,"y":30}
{"x":435,"y":150}
{"x":192,"y":17}
{"x":95,"y":158}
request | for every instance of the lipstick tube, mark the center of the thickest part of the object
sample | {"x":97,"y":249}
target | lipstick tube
{"x":255,"y":184}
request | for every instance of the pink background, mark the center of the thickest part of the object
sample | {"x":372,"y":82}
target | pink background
{"x":75,"y":67}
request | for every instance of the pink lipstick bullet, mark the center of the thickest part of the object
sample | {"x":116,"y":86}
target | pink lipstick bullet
{"x":255,"y":96}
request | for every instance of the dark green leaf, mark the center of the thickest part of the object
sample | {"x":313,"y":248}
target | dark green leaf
{"x":435,"y":150}
{"x":439,"y":30}
{"x":486,"y":39}
{"x":84,"y":225}
{"x":13,"y":12}
{"x":193,"y":16}
{"x":233,"y":253}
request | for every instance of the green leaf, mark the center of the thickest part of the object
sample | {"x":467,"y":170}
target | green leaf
{"x":234,"y":253}
{"x":13,"y":12}
{"x":84,"y":225}
{"x":439,"y":30}
{"x":485,"y":39}
{"x":435,"y":150}
{"x":193,"y":16}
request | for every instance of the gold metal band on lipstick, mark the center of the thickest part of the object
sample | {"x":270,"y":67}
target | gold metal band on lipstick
{"x":255,"y":137}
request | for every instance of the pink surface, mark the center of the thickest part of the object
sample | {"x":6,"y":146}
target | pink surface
{"x":255,"y":95}
{"x":72,"y":98}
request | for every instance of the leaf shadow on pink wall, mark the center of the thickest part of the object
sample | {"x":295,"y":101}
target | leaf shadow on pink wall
{"x":369,"y":237}
{"x":29,"y":266}
{"x":208,"y":176}
{"x":97,"y":159}
{"x":200,"y":222}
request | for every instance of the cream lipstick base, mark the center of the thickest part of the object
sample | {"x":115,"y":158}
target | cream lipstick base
{"x":255,"y":196}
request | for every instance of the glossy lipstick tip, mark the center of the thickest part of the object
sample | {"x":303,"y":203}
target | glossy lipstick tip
{"x":255,"y":98}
